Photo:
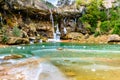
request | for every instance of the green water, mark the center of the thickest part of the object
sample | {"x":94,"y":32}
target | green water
{"x":76,"y":61}
{"x":28,"y":49}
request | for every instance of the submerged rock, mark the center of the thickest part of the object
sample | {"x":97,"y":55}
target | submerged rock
{"x":59,"y":48}
{"x":13,"y":56}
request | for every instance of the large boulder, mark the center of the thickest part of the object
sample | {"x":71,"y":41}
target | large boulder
{"x":74,"y":36}
{"x":113,"y":38}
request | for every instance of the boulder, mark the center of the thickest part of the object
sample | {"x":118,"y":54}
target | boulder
{"x":113,"y":38}
{"x":74,"y":36}
{"x":13,"y":56}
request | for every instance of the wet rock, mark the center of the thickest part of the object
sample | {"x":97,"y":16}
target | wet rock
{"x":59,"y":48}
{"x":13,"y":56}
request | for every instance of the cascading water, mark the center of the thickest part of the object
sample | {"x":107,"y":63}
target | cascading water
{"x":64,"y":29}
{"x":56,"y":33}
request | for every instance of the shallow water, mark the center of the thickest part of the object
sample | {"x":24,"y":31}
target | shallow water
{"x":71,"y":61}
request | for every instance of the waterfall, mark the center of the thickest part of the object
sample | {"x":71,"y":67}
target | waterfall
{"x":51,"y":18}
{"x":75,"y":21}
{"x":56,"y":33}
{"x":65,"y":30}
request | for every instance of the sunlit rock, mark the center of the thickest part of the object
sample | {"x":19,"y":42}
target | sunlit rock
{"x":59,"y":48}
{"x":17,"y":40}
{"x":113,"y":38}
{"x":13,"y":56}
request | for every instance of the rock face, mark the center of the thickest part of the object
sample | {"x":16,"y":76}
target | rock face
{"x":31,"y":6}
{"x":74,"y":36}
{"x":17,"y":40}
{"x":32,"y":17}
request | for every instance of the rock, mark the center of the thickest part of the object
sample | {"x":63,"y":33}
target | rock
{"x":32,"y":38}
{"x":113,"y":38}
{"x":24,"y":34}
{"x":74,"y":36}
{"x":1,"y":36}
{"x":59,"y":48}
{"x":17,"y":40}
{"x":13,"y":56}
{"x":86,"y":36}
{"x":71,"y":74}
{"x":30,"y":6}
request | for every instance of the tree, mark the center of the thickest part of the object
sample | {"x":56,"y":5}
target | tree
{"x":92,"y":15}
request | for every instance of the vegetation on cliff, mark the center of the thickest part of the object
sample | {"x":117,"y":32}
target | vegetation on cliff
{"x":102,"y":18}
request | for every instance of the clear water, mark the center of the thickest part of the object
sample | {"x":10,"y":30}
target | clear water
{"x":76,"y":61}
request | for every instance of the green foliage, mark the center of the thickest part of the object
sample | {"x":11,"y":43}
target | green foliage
{"x":109,"y":18}
{"x":87,"y":26}
{"x":5,"y":38}
{"x":97,"y":33}
{"x":50,"y":5}
{"x":114,"y":14}
{"x":116,"y":29}
{"x":81,"y":2}
{"x":102,"y":16}
{"x":93,"y":14}
{"x":16,"y":32}
{"x":105,"y":27}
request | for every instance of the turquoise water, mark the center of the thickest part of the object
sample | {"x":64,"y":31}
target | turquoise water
{"x":43,"y":49}
{"x":76,"y":61}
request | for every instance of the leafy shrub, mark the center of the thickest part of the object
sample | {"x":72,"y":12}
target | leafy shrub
{"x":116,"y":29}
{"x":105,"y":27}
{"x":16,"y":32}
{"x":115,"y":13}
{"x":5,"y":38}
{"x":97,"y":33}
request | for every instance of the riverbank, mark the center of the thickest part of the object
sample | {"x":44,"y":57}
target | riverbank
{"x":103,"y":39}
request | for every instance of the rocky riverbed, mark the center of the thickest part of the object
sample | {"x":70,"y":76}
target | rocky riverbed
{"x":30,"y":69}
